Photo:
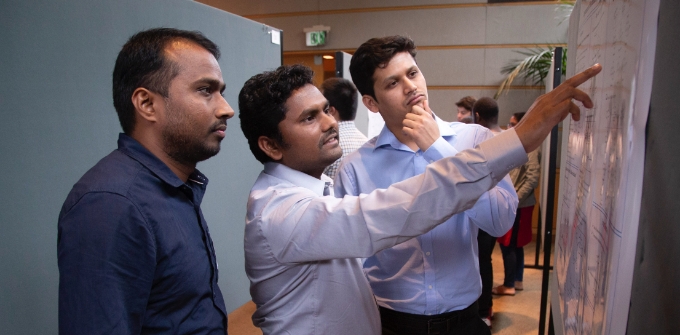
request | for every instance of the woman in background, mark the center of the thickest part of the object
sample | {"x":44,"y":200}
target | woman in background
{"x":525,"y":178}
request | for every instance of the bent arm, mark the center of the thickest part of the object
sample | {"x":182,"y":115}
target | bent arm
{"x":495,"y":211}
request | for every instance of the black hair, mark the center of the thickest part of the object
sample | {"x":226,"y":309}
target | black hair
{"x":376,"y":53}
{"x":142,"y":63}
{"x":262,"y":104}
{"x":487,"y":109}
{"x":342,"y":95}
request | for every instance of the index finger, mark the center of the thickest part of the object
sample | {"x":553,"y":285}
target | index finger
{"x":582,"y":77}
{"x":426,"y":106}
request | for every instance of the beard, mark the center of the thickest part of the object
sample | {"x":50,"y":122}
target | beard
{"x":185,"y":142}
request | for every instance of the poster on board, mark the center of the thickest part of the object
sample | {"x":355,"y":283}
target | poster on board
{"x":602,"y":166}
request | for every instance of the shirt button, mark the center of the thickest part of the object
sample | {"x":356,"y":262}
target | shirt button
{"x":427,"y":253}
{"x":429,"y":286}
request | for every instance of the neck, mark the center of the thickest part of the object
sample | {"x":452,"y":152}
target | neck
{"x":493,"y":126}
{"x":403,"y":138}
{"x":181,"y":170}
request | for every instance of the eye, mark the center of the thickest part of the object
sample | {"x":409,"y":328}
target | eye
{"x":206,"y":90}
{"x":413,"y":73}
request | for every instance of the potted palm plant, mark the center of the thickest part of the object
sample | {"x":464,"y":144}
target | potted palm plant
{"x":535,"y":66}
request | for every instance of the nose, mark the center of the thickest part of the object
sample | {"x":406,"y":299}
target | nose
{"x":224,"y":110}
{"x":409,"y":86}
{"x":328,"y":122}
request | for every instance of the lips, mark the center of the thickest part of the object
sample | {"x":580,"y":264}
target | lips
{"x":416,"y":99}
{"x":220,"y":129}
{"x":333,"y":136}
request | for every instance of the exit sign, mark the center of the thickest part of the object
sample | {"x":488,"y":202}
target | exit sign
{"x":316,"y":35}
{"x":316,"y":38}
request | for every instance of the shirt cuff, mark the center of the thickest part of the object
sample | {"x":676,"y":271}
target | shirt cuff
{"x":503,"y":153}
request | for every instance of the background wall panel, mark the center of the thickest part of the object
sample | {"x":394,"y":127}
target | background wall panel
{"x":59,"y":120}
{"x":462,"y":43}
{"x":288,"y":6}
{"x":525,"y":24}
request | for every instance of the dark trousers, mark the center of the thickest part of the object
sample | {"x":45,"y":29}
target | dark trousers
{"x":485,"y":243}
{"x":513,"y":258}
{"x":466,"y":321}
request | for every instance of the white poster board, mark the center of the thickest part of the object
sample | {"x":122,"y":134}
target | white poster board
{"x":602,"y":166}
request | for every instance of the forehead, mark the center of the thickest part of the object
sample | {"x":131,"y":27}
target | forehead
{"x":192,"y":60}
{"x":400,"y":62}
{"x":304,"y":98}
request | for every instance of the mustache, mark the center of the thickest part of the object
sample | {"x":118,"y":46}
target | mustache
{"x":333,"y":132}
{"x":219,"y":125}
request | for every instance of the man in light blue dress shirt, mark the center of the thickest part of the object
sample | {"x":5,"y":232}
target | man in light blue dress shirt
{"x":302,"y":244}
{"x":430,"y":282}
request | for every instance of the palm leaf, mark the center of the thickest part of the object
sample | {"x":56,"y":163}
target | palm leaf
{"x":533,"y":68}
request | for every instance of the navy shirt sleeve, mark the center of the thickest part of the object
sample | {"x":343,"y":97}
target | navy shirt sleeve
{"x":106,"y":255}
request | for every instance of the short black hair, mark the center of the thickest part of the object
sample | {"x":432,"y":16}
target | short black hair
{"x":262,"y":104}
{"x":376,"y":53}
{"x":142,"y":63}
{"x":341,"y":94}
{"x":466,"y":102}
{"x":486,"y":108}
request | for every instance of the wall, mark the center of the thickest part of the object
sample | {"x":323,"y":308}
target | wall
{"x":463,"y":44}
{"x":58,"y":121}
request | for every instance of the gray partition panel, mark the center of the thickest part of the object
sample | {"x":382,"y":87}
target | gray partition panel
{"x":655,"y":291}
{"x":56,"y":61}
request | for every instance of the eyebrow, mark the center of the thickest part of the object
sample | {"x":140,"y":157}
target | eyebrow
{"x":213,"y":83}
{"x":393,"y":77}
{"x":314,"y":109}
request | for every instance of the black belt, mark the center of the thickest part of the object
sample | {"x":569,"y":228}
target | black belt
{"x":427,"y":324}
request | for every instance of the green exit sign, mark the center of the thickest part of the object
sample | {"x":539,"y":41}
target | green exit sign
{"x":316,"y":38}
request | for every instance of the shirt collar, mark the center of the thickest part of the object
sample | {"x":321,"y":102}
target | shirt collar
{"x":136,"y":151}
{"x":296,"y":177}
{"x":386,"y":137}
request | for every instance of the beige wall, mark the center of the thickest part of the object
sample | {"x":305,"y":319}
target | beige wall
{"x":463,"y":44}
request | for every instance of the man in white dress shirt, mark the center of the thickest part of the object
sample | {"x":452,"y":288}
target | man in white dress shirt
{"x":301,"y":247}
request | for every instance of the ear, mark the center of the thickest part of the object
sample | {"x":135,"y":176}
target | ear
{"x":143,"y":100}
{"x":334,"y":113}
{"x":370,"y":103}
{"x":270,"y":147}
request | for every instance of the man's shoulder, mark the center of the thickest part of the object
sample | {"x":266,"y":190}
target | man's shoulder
{"x":466,"y":126}
{"x":469,"y":132}
{"x":113,"y":175}
{"x":364,"y":151}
